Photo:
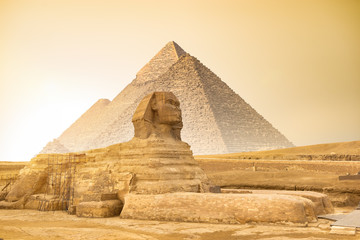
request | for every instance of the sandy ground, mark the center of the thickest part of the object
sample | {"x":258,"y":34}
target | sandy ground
{"x":31,"y":225}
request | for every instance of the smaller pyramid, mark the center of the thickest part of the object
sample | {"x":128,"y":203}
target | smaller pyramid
{"x":54,"y":147}
{"x":82,"y":131}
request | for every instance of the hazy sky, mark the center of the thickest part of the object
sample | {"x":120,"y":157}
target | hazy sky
{"x":296,"y":62}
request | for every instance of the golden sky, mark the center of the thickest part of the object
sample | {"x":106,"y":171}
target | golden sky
{"x":296,"y":62}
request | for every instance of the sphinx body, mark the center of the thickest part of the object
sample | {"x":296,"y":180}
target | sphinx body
{"x":155,"y":161}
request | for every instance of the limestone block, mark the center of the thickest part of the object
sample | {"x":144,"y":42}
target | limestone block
{"x":109,"y":208}
{"x":322,"y":204}
{"x":219,"y":208}
{"x":32,"y":203}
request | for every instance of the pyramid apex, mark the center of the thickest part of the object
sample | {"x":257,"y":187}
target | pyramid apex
{"x":161,"y":62}
{"x":178,"y":50}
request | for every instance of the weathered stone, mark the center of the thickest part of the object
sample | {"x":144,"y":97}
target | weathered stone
{"x":219,"y":208}
{"x":109,"y":208}
{"x":27,"y":185}
{"x":322,"y":204}
{"x":144,"y":166}
{"x":155,"y":161}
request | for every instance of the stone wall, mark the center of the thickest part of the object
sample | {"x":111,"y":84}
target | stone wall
{"x":9,"y":172}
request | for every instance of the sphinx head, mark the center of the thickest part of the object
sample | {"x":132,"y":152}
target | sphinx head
{"x":158,"y":114}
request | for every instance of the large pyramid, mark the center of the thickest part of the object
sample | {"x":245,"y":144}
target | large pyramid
{"x":216,"y":119}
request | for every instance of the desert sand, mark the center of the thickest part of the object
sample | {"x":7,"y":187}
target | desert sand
{"x":56,"y":225}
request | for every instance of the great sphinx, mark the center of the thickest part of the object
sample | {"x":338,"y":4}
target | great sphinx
{"x":155,"y":161}
{"x":153,"y":176}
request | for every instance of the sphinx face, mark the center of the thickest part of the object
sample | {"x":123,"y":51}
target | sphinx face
{"x":168,"y":110}
{"x":158,"y":114}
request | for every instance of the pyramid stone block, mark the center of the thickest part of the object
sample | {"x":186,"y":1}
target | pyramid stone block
{"x":216,"y":119}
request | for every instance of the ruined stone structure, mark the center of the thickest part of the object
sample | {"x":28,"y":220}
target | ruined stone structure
{"x":154,"y":176}
{"x":210,"y":107}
